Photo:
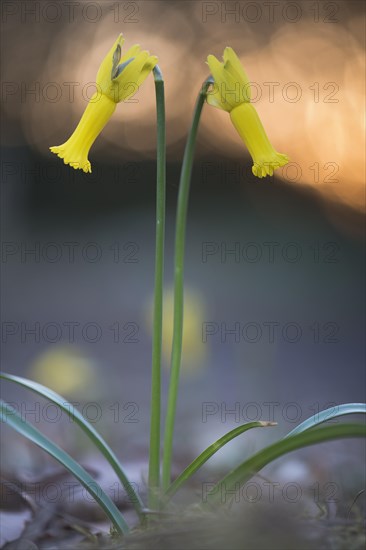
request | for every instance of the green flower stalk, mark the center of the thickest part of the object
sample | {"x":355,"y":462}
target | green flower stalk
{"x":154,"y":451}
{"x":180,"y":236}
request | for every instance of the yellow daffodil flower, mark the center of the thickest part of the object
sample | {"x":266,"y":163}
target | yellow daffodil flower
{"x":119,"y":78}
{"x":231,"y":93}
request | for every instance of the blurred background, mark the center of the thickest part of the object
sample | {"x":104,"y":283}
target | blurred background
{"x":274,"y":268}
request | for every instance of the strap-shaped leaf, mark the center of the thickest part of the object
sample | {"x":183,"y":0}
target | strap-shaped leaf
{"x":13,"y":419}
{"x":210,"y":451}
{"x":329,"y":414}
{"x":88,"y":429}
{"x":247,"y":469}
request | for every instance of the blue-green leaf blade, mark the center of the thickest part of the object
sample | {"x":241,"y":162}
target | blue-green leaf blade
{"x":210,"y":451}
{"x":13,"y":419}
{"x":329,"y":414}
{"x":88,"y":429}
{"x":247,"y":469}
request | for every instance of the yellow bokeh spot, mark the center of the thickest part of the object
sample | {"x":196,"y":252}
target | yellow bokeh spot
{"x":64,"y":370}
{"x":194,"y":354}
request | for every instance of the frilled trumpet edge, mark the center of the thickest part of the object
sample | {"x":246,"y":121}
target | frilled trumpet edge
{"x":265,"y":159}
{"x":76,"y":149}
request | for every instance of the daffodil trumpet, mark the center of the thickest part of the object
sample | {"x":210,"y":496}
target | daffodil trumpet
{"x":231,"y":93}
{"x":248,"y":124}
{"x":96,"y":115}
{"x":119,"y":78}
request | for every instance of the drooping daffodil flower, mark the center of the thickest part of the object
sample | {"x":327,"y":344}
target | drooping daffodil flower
{"x":119,"y":78}
{"x":231,"y":93}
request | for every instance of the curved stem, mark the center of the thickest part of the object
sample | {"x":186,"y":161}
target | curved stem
{"x":154,"y":452}
{"x":180,"y":233}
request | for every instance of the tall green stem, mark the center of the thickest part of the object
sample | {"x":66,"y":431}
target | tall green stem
{"x":154,"y":453}
{"x":180,"y":234}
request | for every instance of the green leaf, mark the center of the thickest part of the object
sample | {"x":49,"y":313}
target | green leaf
{"x":329,"y":414}
{"x":13,"y":419}
{"x":88,"y":429}
{"x":251,"y":466}
{"x":210,"y":451}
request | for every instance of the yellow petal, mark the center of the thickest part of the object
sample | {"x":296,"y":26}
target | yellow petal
{"x":233,"y":65}
{"x":128,"y":81}
{"x":132,"y":52}
{"x":147,"y":68}
{"x":213,"y":98}
{"x":216,"y":68}
{"x":231,"y":83}
{"x":104,"y":74}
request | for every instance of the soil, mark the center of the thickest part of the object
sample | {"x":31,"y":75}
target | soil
{"x":30,"y":521}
